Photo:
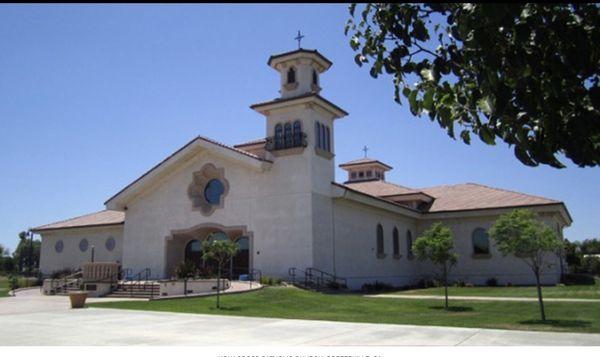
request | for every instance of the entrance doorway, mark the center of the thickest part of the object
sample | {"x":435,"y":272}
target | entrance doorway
{"x":186,"y":246}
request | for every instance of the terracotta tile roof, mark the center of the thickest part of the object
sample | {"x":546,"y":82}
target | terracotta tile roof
{"x":475,"y":196}
{"x":364,"y":161}
{"x":102,"y":218}
{"x":379,"y":188}
{"x":251,"y":142}
{"x":467,"y":196}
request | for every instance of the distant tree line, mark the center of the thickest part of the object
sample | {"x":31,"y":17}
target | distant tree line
{"x":25,"y":260}
{"x":583,"y":256}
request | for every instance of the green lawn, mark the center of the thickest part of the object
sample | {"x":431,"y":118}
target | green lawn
{"x":3,"y":286}
{"x":571,"y":291}
{"x":294,"y":303}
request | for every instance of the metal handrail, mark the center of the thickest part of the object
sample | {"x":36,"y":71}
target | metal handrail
{"x":316,"y":276}
{"x":325,"y":277}
{"x":67,"y":281}
{"x":286,"y":142}
{"x":138,"y":282}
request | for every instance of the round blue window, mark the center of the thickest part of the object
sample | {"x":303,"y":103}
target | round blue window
{"x":213,"y":191}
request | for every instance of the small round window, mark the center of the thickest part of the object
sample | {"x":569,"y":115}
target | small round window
{"x":59,"y":246}
{"x":83,"y":245}
{"x":110,"y":244}
{"x":213,"y":191}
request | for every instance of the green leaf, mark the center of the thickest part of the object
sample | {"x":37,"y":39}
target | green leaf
{"x":428,"y":99}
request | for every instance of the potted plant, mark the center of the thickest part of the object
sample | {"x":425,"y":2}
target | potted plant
{"x":77,"y":299}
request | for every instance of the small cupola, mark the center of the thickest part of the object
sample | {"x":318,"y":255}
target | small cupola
{"x":365,"y":169}
{"x":300,"y":71}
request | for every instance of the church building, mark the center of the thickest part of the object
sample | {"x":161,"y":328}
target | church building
{"x":277,"y":198}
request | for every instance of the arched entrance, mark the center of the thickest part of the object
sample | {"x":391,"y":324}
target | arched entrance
{"x":186,"y":246}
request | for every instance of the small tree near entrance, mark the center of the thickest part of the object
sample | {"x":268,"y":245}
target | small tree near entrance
{"x":219,"y":251}
{"x":436,"y":245}
{"x":521,"y":234}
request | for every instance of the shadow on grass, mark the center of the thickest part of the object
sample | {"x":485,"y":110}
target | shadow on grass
{"x":227,"y":308}
{"x":557,"y":323}
{"x":453,"y":308}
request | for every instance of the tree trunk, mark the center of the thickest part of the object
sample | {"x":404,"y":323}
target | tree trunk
{"x":446,"y":287}
{"x":539,"y":293}
{"x":218,"y":285}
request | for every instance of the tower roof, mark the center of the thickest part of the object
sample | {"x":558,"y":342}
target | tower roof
{"x":365,"y":162}
{"x":322,"y":62}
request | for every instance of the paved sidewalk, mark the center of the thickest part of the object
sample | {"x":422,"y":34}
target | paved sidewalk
{"x":480,"y":298}
{"x":33,"y":319}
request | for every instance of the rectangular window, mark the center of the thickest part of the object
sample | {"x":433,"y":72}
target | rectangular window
{"x":361,"y":174}
{"x":353,"y":175}
{"x":369,"y":173}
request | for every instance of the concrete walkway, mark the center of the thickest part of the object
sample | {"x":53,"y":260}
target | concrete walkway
{"x":33,"y":319}
{"x":478,"y":298}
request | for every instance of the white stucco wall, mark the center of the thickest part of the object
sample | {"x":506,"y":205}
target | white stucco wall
{"x":356,"y":245}
{"x":71,"y":256}
{"x":273,"y":208}
{"x":472,"y":269}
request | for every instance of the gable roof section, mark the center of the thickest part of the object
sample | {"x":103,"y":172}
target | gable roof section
{"x":96,"y":219}
{"x":197,"y":142}
{"x":460,"y":197}
{"x":470,"y":196}
{"x":379,"y":188}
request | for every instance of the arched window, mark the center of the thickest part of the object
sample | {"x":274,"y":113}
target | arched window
{"x":481,"y":241}
{"x":323,"y":137}
{"x":297,"y":133}
{"x":287,"y":135}
{"x":396,"y":242}
{"x":278,"y":136}
{"x":328,"y":148}
{"x":318,"y":134}
{"x":409,"y":244}
{"x":380,"y":248}
{"x":291,"y":75}
{"x":315,"y":78}
{"x":193,"y":252}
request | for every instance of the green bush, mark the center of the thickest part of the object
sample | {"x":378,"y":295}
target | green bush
{"x":491,"y":282}
{"x":377,"y":286}
{"x":13,"y":282}
{"x":269,"y":280}
{"x":578,"y":279}
{"x":591,"y":265}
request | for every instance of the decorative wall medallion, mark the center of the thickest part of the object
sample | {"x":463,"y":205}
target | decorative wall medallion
{"x":83,"y":245}
{"x":110,"y":244}
{"x":208,"y":189}
{"x":59,"y":246}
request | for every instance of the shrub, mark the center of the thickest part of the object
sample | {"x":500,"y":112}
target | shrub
{"x":377,"y":286}
{"x":578,"y":279}
{"x":491,"y":282}
{"x":269,"y":280}
{"x":13,"y":282}
{"x":185,"y":270}
{"x":591,"y":265}
{"x":459,"y":284}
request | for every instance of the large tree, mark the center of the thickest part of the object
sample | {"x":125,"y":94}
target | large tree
{"x":520,"y":233}
{"x":526,"y":74}
{"x":436,"y":245}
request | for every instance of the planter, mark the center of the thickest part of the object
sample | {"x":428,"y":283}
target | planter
{"x":77,"y":299}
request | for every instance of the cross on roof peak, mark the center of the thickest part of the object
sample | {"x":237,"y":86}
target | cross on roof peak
{"x":299,"y":38}
{"x":365,"y":149}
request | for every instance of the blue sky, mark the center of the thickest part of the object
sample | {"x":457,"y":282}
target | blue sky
{"x":92,"y":96}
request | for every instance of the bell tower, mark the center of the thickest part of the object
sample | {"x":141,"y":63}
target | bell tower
{"x":300,"y":143}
